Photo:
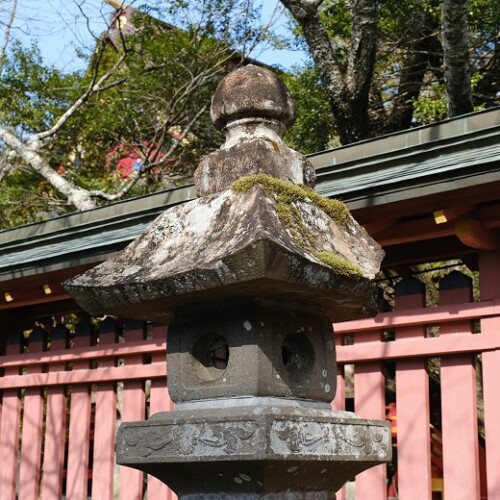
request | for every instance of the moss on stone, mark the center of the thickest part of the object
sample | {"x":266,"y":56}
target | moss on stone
{"x":286,"y":194}
{"x":341,"y":265}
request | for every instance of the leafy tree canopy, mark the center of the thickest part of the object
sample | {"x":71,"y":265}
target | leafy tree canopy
{"x":402,"y":82}
{"x":137,"y":119}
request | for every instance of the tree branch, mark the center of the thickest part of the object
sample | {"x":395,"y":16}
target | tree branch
{"x":347,"y":89}
{"x":40,"y":139}
{"x":130,"y":183}
{"x":6,"y":38}
{"x":456,"y":57}
{"x":76,"y":196}
{"x":363,"y":47}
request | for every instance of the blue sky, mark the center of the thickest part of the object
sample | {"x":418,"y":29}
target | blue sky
{"x":60,"y":26}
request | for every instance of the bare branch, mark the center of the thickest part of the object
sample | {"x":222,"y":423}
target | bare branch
{"x":76,"y":196}
{"x":40,"y":139}
{"x":129,"y":184}
{"x":6,"y":38}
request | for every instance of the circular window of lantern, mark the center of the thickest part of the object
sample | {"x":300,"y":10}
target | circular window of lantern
{"x":297,"y":353}
{"x":212,"y":355}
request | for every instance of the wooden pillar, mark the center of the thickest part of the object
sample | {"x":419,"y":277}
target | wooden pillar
{"x":369,"y":402}
{"x":412,"y":404}
{"x":489,"y":267}
{"x":458,"y":401}
{"x":159,"y":400}
{"x":103,"y":463}
{"x":9,"y":427}
{"x":133,"y":409}
{"x":31,"y":441}
{"x":55,"y":426}
{"x":79,"y":425}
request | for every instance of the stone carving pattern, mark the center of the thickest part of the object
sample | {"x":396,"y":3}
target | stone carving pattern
{"x":200,"y":439}
{"x":326,"y":438}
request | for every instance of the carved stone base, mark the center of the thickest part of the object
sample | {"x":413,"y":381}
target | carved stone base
{"x":249,"y":451}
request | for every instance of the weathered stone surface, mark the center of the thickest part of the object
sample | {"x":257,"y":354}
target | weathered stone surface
{"x":254,"y":108}
{"x":254,"y":449}
{"x":251,"y":278}
{"x":231,"y":245}
{"x":251,"y":91}
{"x":251,"y":149}
{"x":264,"y":348}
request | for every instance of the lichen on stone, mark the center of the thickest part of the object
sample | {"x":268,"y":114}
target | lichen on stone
{"x":286,"y":194}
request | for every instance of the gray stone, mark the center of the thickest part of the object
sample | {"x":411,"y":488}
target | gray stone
{"x":232,"y":245}
{"x":296,"y":360}
{"x":250,"y":281}
{"x":253,"y":108}
{"x":252,"y":91}
{"x":258,"y":450}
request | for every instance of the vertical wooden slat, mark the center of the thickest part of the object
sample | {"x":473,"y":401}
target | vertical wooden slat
{"x":369,"y":402}
{"x":9,"y":437}
{"x":105,"y":423}
{"x":458,"y":402}
{"x":159,"y":400}
{"x":489,"y":267}
{"x":79,"y":426}
{"x":412,"y":404}
{"x":133,"y":409}
{"x":55,"y":427}
{"x":338,"y":404}
{"x":31,"y":439}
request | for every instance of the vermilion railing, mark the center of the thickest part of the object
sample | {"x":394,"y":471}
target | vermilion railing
{"x":458,"y":335}
{"x":65,"y":389}
{"x":62,"y":400}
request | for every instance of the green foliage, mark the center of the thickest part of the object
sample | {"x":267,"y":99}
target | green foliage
{"x":32,"y":94}
{"x":408,"y":86}
{"x":314,"y":129}
{"x":155,"y":107}
{"x":431,"y":107}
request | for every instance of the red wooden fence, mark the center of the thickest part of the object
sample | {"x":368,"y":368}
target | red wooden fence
{"x":433,"y":427}
{"x":65,"y":390}
{"x":65,"y":387}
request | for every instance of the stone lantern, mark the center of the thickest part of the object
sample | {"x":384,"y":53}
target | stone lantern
{"x":250,"y":276}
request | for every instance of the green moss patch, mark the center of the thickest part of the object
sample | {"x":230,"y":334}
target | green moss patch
{"x":286,"y":194}
{"x":341,"y":265}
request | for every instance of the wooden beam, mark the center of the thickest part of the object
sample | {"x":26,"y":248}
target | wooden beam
{"x":459,"y":343}
{"x":85,"y":376}
{"x":473,"y":234}
{"x":452,"y":213}
{"x":41,"y":299}
{"x":417,"y":316}
{"x":376,"y":227}
{"x":414,"y":230}
{"x":427,"y":251}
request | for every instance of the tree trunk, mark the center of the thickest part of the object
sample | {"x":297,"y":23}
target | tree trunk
{"x":78,"y":197}
{"x":456,"y":57}
{"x":425,"y":55}
{"x":347,"y":88}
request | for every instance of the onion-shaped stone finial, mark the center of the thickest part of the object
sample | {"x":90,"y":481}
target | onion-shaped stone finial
{"x":254,"y":108}
{"x":252,"y":91}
